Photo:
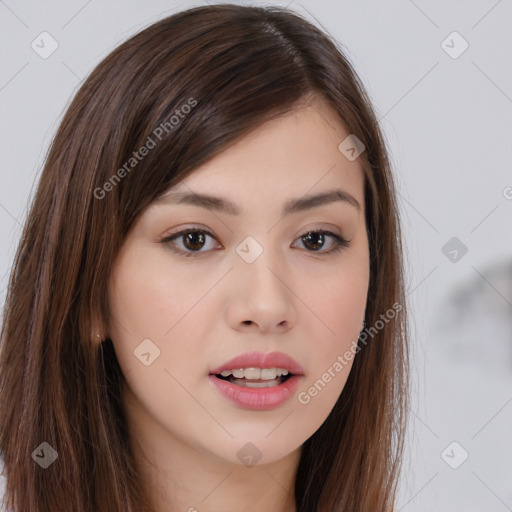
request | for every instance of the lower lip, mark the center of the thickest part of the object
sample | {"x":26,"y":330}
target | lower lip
{"x":257,"y":399}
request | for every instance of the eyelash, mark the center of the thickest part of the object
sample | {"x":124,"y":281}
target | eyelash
{"x":339,"y":242}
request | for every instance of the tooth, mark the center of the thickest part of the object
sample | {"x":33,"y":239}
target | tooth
{"x":252,"y":373}
{"x":268,"y":373}
{"x":255,"y":373}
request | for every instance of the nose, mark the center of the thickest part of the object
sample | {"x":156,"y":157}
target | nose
{"x":262,"y":298}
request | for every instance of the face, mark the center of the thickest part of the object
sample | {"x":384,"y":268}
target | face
{"x":196,"y":285}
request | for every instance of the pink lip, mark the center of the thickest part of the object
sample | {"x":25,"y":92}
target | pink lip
{"x":256,"y":399}
{"x":261,"y":360}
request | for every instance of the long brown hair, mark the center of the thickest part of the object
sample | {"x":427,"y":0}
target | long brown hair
{"x":235,"y":67}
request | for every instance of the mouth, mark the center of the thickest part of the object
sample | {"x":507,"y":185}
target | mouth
{"x":258,"y":370}
{"x":257,"y":381}
{"x":256,"y":388}
{"x":256,"y":377}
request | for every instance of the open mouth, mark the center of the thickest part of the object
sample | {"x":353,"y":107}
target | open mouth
{"x":255,"y":383}
{"x":254,"y":387}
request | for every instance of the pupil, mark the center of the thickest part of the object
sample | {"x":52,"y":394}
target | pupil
{"x":307,"y":239}
{"x":189,"y":240}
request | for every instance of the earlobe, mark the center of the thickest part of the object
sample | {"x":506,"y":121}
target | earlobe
{"x":97,"y":334}
{"x":97,"y":338}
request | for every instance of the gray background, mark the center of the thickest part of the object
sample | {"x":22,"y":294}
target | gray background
{"x":448,"y":124}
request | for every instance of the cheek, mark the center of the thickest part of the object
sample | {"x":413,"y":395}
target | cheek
{"x":150,"y":295}
{"x":338,"y":298}
{"x":343,"y":306}
{"x":339,"y":305}
{"x":156,"y":308}
{"x":136,"y":310}
{"x":149,"y":302}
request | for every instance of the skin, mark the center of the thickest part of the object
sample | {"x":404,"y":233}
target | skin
{"x":202,"y":311}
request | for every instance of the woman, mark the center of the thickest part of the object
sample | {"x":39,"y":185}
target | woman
{"x":214,"y":227}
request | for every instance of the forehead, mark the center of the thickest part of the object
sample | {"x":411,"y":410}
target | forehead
{"x":293,"y":154}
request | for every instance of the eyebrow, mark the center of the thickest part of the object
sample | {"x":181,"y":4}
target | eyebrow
{"x":291,"y":206}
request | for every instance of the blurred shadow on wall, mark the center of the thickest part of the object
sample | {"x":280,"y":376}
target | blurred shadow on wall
{"x":475,"y":321}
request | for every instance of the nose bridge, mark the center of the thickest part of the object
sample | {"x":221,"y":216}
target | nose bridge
{"x":259,"y":263}
{"x":261,"y":282}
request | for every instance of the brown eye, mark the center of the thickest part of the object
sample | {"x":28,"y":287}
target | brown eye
{"x":192,"y":241}
{"x":315,"y":241}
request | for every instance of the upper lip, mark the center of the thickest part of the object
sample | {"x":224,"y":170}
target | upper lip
{"x":261,"y":360}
